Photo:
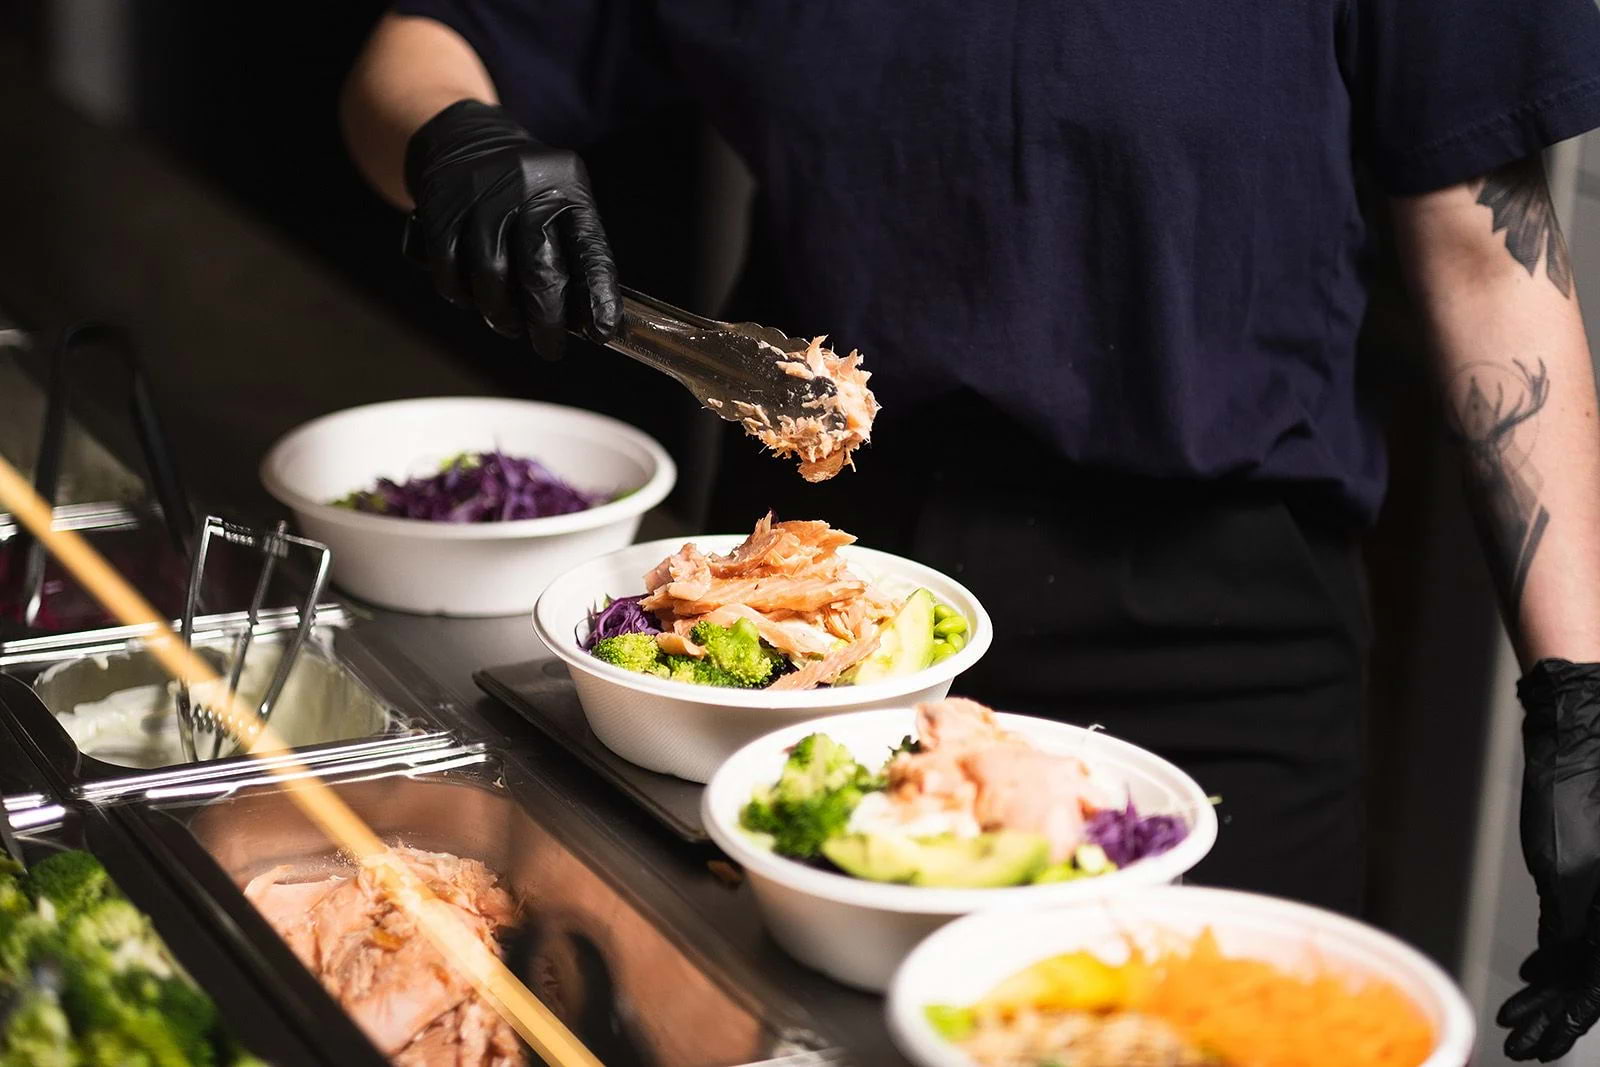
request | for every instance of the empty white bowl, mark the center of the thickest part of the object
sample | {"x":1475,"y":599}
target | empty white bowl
{"x":687,"y":730}
{"x":488,"y":568}
{"x":966,"y":959}
{"x":857,"y":931}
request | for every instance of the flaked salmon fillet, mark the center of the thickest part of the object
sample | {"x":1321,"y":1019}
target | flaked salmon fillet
{"x":826,"y":670}
{"x":688,"y":569}
{"x":789,"y":580}
{"x":790,"y":634}
{"x":795,"y":547}
{"x":372,"y":959}
{"x":676,"y":642}
{"x":843,"y":422}
{"x":967,"y":763}
{"x":777,"y":593}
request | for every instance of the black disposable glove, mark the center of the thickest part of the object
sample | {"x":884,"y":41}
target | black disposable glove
{"x":1561,"y":843}
{"x":508,"y":227}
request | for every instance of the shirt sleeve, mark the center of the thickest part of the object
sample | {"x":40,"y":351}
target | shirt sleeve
{"x":572,"y":71}
{"x":1447,"y":90}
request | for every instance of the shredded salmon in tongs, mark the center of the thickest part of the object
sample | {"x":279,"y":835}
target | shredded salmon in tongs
{"x":822,"y":444}
{"x":789,"y":580}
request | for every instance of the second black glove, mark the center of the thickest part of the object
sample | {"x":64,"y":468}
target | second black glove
{"x":508,"y":227}
{"x":1561,"y":843}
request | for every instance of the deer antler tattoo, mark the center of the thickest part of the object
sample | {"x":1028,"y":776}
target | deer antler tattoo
{"x":1509,"y":506}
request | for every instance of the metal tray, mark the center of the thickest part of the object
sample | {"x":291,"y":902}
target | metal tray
{"x":595,"y":947}
{"x":247,"y":1006}
{"x":349,"y":697}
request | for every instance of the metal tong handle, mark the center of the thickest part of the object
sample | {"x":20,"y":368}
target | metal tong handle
{"x":273,"y":545}
{"x":153,"y":442}
{"x":46,"y":481}
{"x":241,"y":647}
{"x":666,"y":338}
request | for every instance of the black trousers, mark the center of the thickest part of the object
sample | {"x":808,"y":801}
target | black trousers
{"x":1221,"y":625}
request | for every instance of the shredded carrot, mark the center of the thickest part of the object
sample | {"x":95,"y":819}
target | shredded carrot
{"x":1250,"y":1013}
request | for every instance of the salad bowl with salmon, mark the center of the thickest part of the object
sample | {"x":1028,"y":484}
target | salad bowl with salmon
{"x":862,"y":833}
{"x":681,"y":652}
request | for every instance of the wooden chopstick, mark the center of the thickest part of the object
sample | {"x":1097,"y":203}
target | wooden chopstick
{"x":321,"y":804}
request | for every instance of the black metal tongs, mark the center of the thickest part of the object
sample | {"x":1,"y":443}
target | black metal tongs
{"x":160,"y":466}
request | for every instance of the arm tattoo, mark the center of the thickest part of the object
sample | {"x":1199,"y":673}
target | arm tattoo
{"x":1498,"y":440}
{"x":1519,"y":198}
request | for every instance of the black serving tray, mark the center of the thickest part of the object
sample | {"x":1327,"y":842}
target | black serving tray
{"x":542,"y":693}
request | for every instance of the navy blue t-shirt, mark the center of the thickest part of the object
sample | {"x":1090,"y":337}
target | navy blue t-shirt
{"x":1131,"y":226}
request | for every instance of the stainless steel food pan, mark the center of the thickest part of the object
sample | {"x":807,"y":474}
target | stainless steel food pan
{"x":247,"y":1006}
{"x":633,"y":992}
{"x":102,"y":711}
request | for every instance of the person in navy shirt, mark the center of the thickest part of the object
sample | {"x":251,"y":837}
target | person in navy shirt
{"x":1107,"y":262}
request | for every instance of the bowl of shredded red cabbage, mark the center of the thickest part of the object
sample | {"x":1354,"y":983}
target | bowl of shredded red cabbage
{"x":465,"y":505}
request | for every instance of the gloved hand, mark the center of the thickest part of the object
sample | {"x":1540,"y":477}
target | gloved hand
{"x":505,"y":223}
{"x":1561,"y":843}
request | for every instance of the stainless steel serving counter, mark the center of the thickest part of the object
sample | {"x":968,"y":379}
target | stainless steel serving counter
{"x":227,"y":310}
{"x":450,"y":650}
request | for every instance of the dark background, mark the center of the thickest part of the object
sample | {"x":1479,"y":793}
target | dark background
{"x":229,"y":145}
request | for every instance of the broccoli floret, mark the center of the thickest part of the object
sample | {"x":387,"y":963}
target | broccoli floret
{"x":123,"y":1022}
{"x":107,"y":925}
{"x":632,"y":652}
{"x":818,"y":762}
{"x":115,"y":986}
{"x":110,"y":1048}
{"x":191,"y":1015}
{"x":30,"y":936}
{"x":812,"y":800}
{"x":38,"y":1033}
{"x":72,"y":881}
{"x":14,"y":901}
{"x":738,"y":651}
{"x":127,"y":1048}
{"x":698,"y":672}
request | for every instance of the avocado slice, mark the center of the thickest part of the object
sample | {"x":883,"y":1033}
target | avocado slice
{"x":905,"y":646}
{"x":990,"y":860}
{"x":874,"y":857}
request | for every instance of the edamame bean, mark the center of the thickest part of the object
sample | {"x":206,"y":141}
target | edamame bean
{"x":941,"y":650}
{"x":955,"y":624}
{"x":956,"y":642}
{"x":942,"y":612}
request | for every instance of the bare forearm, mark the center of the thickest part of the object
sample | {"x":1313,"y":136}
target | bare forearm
{"x":1490,"y":265}
{"x":409,"y":71}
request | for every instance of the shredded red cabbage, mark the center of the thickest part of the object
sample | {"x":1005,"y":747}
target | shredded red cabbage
{"x":482,"y":487}
{"x":620,"y":616}
{"x":1126,"y":836}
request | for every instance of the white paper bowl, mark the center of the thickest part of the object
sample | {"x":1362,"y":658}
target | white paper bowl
{"x":687,"y":730}
{"x":489,"y":568}
{"x":858,"y":931}
{"x":966,"y":959}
